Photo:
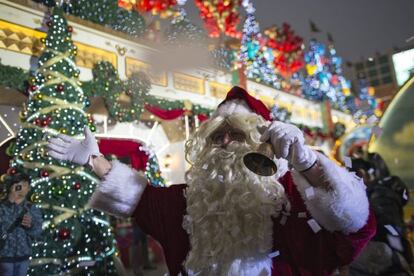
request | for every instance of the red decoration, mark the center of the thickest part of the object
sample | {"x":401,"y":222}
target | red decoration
{"x":287,"y":49}
{"x":49,"y":24}
{"x":44,"y":173}
{"x":11,"y":171}
{"x":60,"y":87}
{"x":155,"y":6}
{"x":70,"y":29}
{"x":33,"y":87}
{"x":38,"y":122}
{"x":220,"y":16}
{"x":77,"y":186}
{"x":46,"y":122}
{"x":64,"y":233}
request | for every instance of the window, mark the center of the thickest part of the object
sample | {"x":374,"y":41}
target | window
{"x":383,"y":59}
{"x":374,"y":82}
{"x":385,"y":70}
{"x":387,"y":80}
{"x":372,"y":73}
{"x":359,"y":66}
{"x":370,"y":63}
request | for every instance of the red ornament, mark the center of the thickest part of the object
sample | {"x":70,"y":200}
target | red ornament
{"x":220,"y":17}
{"x":155,"y":6}
{"x":60,"y":87}
{"x":33,"y":87}
{"x":77,"y":186}
{"x":49,"y":24}
{"x":64,"y":233}
{"x":38,"y":122}
{"x":44,"y":173}
{"x":11,"y":171}
{"x":70,"y":29}
{"x":46,"y":122}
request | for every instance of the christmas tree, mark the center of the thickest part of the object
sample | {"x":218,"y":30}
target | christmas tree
{"x":75,"y":240}
{"x":316,"y":85}
{"x":129,"y":22}
{"x":103,"y":12}
{"x":258,"y":59}
{"x":339,"y":83}
{"x":153,"y":170}
{"x":182,"y":31}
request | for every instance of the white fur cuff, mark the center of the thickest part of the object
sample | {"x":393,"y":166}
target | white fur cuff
{"x":119,"y":193}
{"x":344,"y":206}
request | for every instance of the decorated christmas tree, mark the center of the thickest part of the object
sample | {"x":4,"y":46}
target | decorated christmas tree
{"x":316,"y":84}
{"x":337,"y":80}
{"x":129,"y":22}
{"x":257,"y":58}
{"x":182,"y":31}
{"x":75,"y":240}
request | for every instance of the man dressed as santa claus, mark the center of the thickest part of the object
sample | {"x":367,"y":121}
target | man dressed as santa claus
{"x":310,"y":218}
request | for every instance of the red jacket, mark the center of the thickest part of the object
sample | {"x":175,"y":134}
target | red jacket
{"x":160,"y":214}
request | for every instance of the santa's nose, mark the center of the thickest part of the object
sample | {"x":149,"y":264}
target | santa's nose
{"x":226,"y":139}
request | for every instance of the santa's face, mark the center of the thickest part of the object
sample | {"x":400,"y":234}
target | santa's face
{"x":229,"y":208}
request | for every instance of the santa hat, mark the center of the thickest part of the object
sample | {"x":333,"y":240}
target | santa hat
{"x":238,"y":101}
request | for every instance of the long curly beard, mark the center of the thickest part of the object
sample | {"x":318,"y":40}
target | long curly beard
{"x":229,"y":209}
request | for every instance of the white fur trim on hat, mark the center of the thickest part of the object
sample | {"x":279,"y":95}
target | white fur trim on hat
{"x":119,"y":193}
{"x":343,"y":206}
{"x":232,"y":107}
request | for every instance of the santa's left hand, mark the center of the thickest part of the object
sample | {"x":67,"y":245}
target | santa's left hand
{"x":288,"y":143}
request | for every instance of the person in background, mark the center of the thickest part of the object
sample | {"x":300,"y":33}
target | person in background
{"x":20,"y":224}
{"x":389,"y":252}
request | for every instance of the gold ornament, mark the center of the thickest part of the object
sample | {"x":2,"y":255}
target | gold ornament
{"x":3,"y":177}
{"x":63,"y":130}
{"x":39,"y":96}
{"x":35,"y":197}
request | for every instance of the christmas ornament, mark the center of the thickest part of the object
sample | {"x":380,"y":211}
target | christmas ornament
{"x":77,"y":186}
{"x":44,"y":173}
{"x":64,"y":233}
{"x":60,"y":87}
{"x":220,"y":16}
{"x":11,"y":171}
{"x":70,"y":29}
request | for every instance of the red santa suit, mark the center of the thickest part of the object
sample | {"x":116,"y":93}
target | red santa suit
{"x":323,"y":229}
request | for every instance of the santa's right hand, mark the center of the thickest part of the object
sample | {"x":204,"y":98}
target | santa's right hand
{"x":67,"y":148}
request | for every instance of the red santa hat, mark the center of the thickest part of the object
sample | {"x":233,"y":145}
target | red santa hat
{"x":239,"y":101}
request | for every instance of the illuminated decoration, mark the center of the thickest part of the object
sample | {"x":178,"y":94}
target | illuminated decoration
{"x":162,"y":7}
{"x":224,"y":58}
{"x":279,"y":113}
{"x":129,"y":22}
{"x":152,"y":169}
{"x":257,"y":57}
{"x":324,"y":77}
{"x":337,"y":80}
{"x":366,"y":102}
{"x":123,"y":99}
{"x":103,"y":12}
{"x":220,"y":16}
{"x":316,"y":83}
{"x":182,"y":31}
{"x":287,"y":49}
{"x":71,"y":232}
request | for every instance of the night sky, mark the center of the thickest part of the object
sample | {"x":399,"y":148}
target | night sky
{"x":360,"y":28}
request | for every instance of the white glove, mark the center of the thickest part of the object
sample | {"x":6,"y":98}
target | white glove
{"x":288,"y":143}
{"x":68,"y":148}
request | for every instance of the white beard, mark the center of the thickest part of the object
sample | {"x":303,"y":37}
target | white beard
{"x":229,"y":215}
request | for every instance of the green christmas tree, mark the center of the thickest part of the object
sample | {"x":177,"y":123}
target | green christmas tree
{"x":75,"y":240}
